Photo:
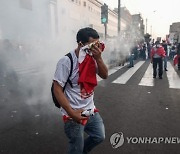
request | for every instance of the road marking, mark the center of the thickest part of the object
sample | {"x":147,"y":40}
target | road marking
{"x":128,"y":74}
{"x":173,"y":78}
{"x":111,"y":71}
{"x":147,"y":79}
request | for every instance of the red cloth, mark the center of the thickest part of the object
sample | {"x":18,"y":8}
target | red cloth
{"x":160,"y":51}
{"x":176,"y":59}
{"x":83,"y":122}
{"x":67,"y":118}
{"x":87,"y":76}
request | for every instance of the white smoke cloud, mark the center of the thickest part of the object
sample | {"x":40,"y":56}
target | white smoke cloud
{"x":29,"y":53}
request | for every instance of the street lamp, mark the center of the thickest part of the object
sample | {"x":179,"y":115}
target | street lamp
{"x":146,"y":25}
{"x":152,"y":31}
{"x":119,"y":17}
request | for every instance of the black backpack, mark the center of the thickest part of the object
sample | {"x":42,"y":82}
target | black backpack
{"x":68,"y":81}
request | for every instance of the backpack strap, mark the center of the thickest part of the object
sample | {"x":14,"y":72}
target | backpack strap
{"x":71,"y":69}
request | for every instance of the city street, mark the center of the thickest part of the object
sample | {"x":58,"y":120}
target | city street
{"x":130,"y":101}
{"x":140,"y":111}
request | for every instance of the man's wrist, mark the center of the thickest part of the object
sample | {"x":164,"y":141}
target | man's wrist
{"x":69,"y":110}
{"x":99,"y":60}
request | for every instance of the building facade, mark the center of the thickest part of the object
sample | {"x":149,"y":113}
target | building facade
{"x":24,"y":19}
{"x":174,"y":33}
{"x":54,"y":23}
{"x":32,"y":21}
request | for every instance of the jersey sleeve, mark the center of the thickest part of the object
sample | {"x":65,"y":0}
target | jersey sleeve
{"x":62,"y":71}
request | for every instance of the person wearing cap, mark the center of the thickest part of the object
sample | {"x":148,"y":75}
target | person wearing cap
{"x":157,"y":55}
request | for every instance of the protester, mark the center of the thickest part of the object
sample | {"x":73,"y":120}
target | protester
{"x":75,"y":100}
{"x":131,"y":59}
{"x":136,"y":52}
{"x":173,"y":52}
{"x":177,"y":57}
{"x":149,"y":50}
{"x":144,"y":51}
{"x":164,"y":45}
{"x":157,"y":55}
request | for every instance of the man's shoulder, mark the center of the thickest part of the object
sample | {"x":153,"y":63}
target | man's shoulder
{"x":66,"y":57}
{"x":64,"y":60}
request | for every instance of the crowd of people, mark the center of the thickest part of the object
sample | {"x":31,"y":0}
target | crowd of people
{"x":158,"y":52}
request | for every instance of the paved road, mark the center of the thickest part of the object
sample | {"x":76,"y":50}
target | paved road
{"x":136,"y":108}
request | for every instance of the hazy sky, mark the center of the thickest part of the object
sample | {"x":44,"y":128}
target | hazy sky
{"x":160,"y":14}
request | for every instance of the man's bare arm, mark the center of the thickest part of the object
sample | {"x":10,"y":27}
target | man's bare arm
{"x":64,"y":102}
{"x":102,"y":69}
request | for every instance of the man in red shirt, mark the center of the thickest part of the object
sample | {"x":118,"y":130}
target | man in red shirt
{"x":157,"y":55}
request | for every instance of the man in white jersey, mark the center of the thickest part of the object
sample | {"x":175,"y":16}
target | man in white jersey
{"x":71,"y":100}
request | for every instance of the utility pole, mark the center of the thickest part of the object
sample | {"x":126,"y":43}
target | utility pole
{"x":119,"y":17}
{"x":151,"y":30}
{"x":105,"y":28}
{"x":146,"y":25}
{"x":104,"y":17}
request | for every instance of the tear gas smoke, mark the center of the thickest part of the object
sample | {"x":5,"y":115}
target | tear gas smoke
{"x":31,"y":43}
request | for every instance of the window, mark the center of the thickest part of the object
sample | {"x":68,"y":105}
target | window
{"x":77,"y":2}
{"x":26,"y":4}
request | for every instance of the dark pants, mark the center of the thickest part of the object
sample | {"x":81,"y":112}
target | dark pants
{"x":131,"y":63}
{"x":157,"y":62}
{"x":179,"y":63}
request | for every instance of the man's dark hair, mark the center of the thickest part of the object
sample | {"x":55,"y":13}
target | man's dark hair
{"x":157,"y":42}
{"x":84,"y":34}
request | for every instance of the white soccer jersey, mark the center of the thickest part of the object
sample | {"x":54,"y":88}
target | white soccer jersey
{"x":73,"y":94}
